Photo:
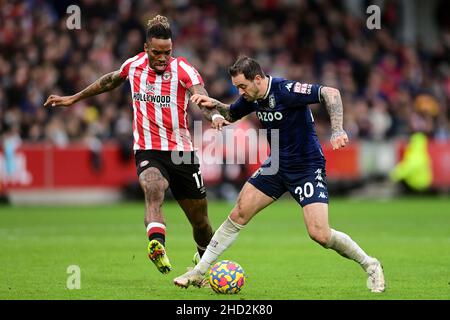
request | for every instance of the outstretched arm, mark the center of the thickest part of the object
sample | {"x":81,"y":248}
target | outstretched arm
{"x":332,"y":99}
{"x":222,"y":108}
{"x":105,"y":83}
{"x":211,"y":113}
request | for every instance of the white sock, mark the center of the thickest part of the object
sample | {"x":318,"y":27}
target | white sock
{"x":222,"y":239}
{"x":346,"y":247}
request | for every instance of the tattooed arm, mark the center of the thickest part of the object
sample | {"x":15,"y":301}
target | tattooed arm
{"x":332,"y":99}
{"x":224,"y":110}
{"x":207,"y":112}
{"x":105,"y":83}
{"x":211,"y":108}
{"x":211,"y":103}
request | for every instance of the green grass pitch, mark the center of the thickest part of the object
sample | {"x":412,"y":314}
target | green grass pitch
{"x":411,"y":237}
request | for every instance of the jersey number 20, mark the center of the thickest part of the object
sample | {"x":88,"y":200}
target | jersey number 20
{"x":307,"y":191}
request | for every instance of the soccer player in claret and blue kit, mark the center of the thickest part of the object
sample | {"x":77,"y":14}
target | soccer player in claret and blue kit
{"x":282,"y":105}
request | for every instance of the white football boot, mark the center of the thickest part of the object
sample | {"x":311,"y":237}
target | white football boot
{"x":192,"y":277}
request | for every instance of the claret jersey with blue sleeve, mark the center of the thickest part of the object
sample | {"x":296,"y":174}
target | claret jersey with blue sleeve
{"x":285,"y":107}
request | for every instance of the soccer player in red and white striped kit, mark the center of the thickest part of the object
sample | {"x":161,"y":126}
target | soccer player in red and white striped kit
{"x":160,"y":87}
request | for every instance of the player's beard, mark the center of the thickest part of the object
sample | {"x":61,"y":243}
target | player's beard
{"x":248,"y":98}
{"x":254,"y":94}
{"x":251,"y":97}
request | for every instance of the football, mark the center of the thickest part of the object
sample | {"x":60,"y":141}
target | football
{"x":226,"y":277}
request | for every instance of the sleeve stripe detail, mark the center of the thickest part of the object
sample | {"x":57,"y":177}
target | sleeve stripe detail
{"x":191,"y":73}
{"x":126,"y":65}
{"x":320,"y":94}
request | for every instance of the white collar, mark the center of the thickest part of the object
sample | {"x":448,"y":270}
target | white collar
{"x":268,"y":88}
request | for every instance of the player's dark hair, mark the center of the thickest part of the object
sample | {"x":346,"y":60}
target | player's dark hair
{"x":247,"y":66}
{"x":159,"y":28}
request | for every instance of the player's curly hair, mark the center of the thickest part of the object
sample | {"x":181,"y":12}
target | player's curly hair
{"x":158,"y":27}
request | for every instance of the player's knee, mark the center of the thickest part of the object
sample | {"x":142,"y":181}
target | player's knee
{"x":197,"y":213}
{"x":321,"y":236}
{"x":238,"y":215}
{"x":154,"y":188}
{"x":202,"y":227}
{"x":201,"y":222}
{"x":154,"y":191}
{"x":198,"y":208}
{"x":153,"y":184}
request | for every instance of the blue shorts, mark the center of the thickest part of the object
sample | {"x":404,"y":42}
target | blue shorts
{"x":306,"y":185}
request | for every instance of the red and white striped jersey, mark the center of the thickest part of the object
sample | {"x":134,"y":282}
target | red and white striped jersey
{"x":160,"y":103}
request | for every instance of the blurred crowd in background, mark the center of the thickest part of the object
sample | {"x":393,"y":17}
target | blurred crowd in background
{"x":389,"y":89}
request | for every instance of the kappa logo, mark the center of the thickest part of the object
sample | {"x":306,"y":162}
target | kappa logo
{"x":322,"y":195}
{"x":319,"y":175}
{"x":320,"y":185}
{"x":289,"y":86}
